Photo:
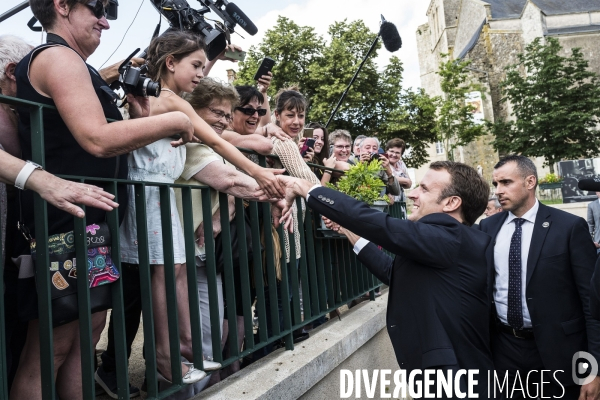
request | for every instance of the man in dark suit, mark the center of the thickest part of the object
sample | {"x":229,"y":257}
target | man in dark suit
{"x":543,"y":261}
{"x":438,"y":306}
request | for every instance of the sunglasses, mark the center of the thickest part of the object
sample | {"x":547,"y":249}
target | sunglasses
{"x":98,"y":9}
{"x":250,"y":111}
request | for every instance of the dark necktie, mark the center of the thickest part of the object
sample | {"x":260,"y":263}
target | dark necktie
{"x":515,"y":306}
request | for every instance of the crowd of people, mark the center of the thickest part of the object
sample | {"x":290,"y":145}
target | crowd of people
{"x":190,"y":134}
{"x":447,"y":310}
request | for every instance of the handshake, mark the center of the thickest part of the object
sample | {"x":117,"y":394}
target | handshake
{"x":282,"y":210}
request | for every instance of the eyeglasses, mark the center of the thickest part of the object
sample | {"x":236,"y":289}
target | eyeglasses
{"x":342,"y":147}
{"x":98,"y":9}
{"x":249,"y":111}
{"x":221,"y":114}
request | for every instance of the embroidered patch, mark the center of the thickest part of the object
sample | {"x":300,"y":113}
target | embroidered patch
{"x":73,"y":273}
{"x":59,"y":282}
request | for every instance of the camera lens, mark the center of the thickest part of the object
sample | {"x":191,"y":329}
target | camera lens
{"x":147,"y":87}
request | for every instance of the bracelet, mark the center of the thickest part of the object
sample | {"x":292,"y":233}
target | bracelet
{"x":327,"y":172}
{"x":25,"y":173}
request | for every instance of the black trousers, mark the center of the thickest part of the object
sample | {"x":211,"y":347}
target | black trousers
{"x":132,"y":302}
{"x":521,"y":355}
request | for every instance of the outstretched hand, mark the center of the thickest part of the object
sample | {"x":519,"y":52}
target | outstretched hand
{"x":64,"y":194}
{"x":277,"y":214}
{"x":269,"y":183}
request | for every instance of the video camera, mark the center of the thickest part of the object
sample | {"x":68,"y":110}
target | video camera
{"x":181,"y":16}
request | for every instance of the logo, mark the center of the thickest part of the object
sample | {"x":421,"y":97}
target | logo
{"x":239,"y":19}
{"x":583,"y":363}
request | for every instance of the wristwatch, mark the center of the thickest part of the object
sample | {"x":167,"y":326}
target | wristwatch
{"x":25,"y":173}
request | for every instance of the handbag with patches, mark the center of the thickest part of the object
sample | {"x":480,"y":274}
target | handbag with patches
{"x":99,"y":271}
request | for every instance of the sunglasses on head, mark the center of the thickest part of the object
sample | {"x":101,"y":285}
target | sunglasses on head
{"x":98,"y":9}
{"x":249,"y":111}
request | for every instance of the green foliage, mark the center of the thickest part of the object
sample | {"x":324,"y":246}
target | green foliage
{"x":455,"y":124}
{"x":362,"y":183}
{"x":415,"y":122}
{"x":556,"y":103}
{"x":323,"y":67}
{"x":550,"y":178}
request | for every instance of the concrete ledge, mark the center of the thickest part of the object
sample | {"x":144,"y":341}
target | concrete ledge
{"x":289,"y":374}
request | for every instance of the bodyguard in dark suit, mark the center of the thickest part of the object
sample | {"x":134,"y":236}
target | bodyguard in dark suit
{"x":543,"y":261}
{"x":438,"y":307}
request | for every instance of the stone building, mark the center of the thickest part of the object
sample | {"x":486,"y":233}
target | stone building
{"x":491,"y":34}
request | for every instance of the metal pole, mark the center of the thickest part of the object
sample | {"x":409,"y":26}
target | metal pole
{"x":352,"y":81}
{"x":14,"y":10}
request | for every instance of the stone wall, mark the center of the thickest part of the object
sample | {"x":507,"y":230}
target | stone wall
{"x":498,"y":46}
{"x":472,"y":14}
{"x":587,"y":43}
{"x":531,"y":23}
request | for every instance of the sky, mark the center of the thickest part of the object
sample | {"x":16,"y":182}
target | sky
{"x":407,"y":15}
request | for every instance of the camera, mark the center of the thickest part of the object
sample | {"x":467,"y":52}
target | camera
{"x":376,"y":156}
{"x":135,"y":81}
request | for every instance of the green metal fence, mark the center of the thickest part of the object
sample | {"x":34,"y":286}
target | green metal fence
{"x":328,"y":273}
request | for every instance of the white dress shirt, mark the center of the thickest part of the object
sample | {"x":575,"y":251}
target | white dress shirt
{"x":501,"y":252}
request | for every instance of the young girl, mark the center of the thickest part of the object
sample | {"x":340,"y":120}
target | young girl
{"x":176,"y":59}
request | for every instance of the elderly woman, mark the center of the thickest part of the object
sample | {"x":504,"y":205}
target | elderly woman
{"x":342,"y":145}
{"x":214,"y":102}
{"x":395,"y":149}
{"x":87,"y":146}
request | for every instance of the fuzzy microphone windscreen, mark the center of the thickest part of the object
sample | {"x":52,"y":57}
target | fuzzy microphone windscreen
{"x":390,"y":36}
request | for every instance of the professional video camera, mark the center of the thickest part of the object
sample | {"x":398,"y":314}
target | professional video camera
{"x":134,"y":80}
{"x":181,"y":16}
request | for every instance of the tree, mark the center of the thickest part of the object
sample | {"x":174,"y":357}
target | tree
{"x":556,"y":105}
{"x":415,"y":122}
{"x":322,"y":68}
{"x":455,"y":125}
{"x":293,"y":48}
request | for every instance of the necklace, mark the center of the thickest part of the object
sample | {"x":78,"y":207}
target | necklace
{"x":168,"y":90}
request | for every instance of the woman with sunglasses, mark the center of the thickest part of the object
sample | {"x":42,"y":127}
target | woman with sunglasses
{"x":79,"y":141}
{"x":251,"y":113}
{"x":246,"y":119}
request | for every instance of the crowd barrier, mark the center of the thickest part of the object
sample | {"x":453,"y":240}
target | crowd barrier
{"x":328,"y":273}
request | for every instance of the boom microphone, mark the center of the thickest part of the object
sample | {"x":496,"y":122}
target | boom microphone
{"x":241,"y":18}
{"x":390,"y":36}
{"x":589,"y":184}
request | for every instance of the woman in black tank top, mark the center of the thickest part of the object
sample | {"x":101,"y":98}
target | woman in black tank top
{"x":78,"y":141}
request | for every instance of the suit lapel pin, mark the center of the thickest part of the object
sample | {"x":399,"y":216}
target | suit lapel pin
{"x":546,"y":224}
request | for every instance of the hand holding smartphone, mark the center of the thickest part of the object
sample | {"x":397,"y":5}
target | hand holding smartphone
{"x":266,"y":66}
{"x":309,"y":143}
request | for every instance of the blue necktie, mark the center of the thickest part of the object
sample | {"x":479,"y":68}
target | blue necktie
{"x":515,"y":306}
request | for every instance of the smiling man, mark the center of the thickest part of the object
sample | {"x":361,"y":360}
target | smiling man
{"x":543,"y":260}
{"x":438,"y":308}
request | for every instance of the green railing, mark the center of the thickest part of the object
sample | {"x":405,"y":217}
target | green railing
{"x":329,"y":273}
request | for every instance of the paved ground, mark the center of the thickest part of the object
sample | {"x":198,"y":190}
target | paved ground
{"x":136,"y":361}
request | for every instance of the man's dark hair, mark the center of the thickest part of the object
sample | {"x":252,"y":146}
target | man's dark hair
{"x":248,"y":93}
{"x":465,"y":183}
{"x":525,"y":166}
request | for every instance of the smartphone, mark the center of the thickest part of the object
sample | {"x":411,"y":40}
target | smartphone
{"x":236,"y":55}
{"x":265,"y":66}
{"x":308,"y":132}
{"x":308,"y":144}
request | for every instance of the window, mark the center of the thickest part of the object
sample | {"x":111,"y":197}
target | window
{"x":439,"y":148}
